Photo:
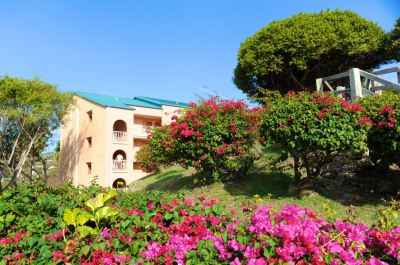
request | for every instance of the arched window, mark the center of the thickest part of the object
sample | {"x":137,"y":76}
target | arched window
{"x":120,"y":131}
{"x":119,"y":125}
{"x":119,"y":161}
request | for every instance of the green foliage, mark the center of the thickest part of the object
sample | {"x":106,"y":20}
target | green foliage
{"x":290,"y":54}
{"x":217,"y":137}
{"x":153,"y":227}
{"x":30,"y":110}
{"x":393,"y":45}
{"x":147,"y":156}
{"x":37,"y":216}
{"x":389,"y":216}
{"x":97,"y":212}
{"x":205,"y":254}
{"x":384,"y":137}
{"x":314,"y":128}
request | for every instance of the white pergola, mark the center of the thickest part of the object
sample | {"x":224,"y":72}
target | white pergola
{"x":362,"y":83}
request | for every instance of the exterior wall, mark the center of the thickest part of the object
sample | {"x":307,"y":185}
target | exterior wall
{"x":75,"y":153}
{"x":139,"y":134}
{"x":127,"y":146}
{"x":168,"y":112}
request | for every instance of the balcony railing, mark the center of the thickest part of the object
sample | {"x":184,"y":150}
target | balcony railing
{"x":119,"y":166}
{"x":140,"y":131}
{"x":120,"y":137}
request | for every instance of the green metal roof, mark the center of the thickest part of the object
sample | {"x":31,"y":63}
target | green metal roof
{"x":164,"y":102}
{"x":128,"y":103}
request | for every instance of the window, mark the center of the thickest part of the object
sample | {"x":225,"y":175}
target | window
{"x":153,"y":123}
{"x":89,"y":142}
{"x":90,"y":115}
{"x":136,"y":166}
{"x":89,"y":167}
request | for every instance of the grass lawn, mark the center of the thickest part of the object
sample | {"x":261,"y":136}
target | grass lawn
{"x":269,"y":188}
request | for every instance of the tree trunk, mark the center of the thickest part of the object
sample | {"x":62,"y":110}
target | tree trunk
{"x":297,"y":173}
{"x":296,"y":80}
{"x":18,"y":169}
{"x":31,"y":171}
{"x":44,"y":164}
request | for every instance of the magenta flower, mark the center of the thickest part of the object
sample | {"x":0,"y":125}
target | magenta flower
{"x":105,"y":233}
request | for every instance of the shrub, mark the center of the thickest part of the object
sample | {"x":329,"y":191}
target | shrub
{"x":164,"y":229}
{"x":147,"y":159}
{"x":216,"y":137}
{"x":314,"y":128}
{"x":384,"y":136}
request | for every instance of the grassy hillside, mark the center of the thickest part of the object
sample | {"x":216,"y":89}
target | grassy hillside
{"x":272,"y":188}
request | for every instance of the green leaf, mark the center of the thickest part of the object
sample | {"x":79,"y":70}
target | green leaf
{"x":225,"y":235}
{"x":83,"y":217}
{"x":85,"y":250}
{"x":45,"y":252}
{"x":70,"y":216}
{"x":110,"y":194}
{"x":86,"y":231}
{"x":10,"y":217}
{"x":168,"y":216}
{"x":96,"y":203}
{"x":105,"y":212}
{"x":204,"y":253}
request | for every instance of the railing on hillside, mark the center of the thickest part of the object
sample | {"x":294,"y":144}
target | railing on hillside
{"x":119,"y":166}
{"x":358,"y":89}
{"x":120,"y":137}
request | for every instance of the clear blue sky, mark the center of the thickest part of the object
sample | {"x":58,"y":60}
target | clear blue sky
{"x":166,"y":49}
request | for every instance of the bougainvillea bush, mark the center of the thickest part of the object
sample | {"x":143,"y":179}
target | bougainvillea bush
{"x":158,"y":228}
{"x":314,"y":128}
{"x":384,"y":136}
{"x":216,"y":137}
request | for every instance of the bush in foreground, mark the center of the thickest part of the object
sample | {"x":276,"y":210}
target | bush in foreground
{"x":384,"y":136}
{"x":157,"y":228}
{"x":314,"y":128}
{"x":216,"y":137}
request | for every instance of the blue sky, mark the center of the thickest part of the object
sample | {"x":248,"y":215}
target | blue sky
{"x":167,"y":49}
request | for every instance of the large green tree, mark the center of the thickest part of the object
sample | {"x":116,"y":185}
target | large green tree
{"x":393,"y":45}
{"x":30,"y":110}
{"x":291,"y":53}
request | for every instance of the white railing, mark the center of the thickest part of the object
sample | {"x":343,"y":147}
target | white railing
{"x":140,"y":130}
{"x":119,"y":166}
{"x":120,"y":137}
{"x":373,"y":82}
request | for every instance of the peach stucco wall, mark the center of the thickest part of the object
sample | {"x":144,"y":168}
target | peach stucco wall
{"x":75,"y":153}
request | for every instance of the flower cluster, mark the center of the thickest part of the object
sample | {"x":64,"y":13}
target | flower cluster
{"x":156,"y":229}
{"x":215,"y":136}
{"x":314,"y":127}
{"x":384,"y":136}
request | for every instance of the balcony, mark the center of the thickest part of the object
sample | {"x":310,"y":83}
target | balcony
{"x":119,"y":163}
{"x":120,"y":137}
{"x":119,"y":166}
{"x":140,"y":131}
{"x":119,"y":132}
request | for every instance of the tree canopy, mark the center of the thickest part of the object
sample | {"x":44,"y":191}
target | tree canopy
{"x":30,"y":110}
{"x":291,"y":53}
{"x":394,"y":41}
